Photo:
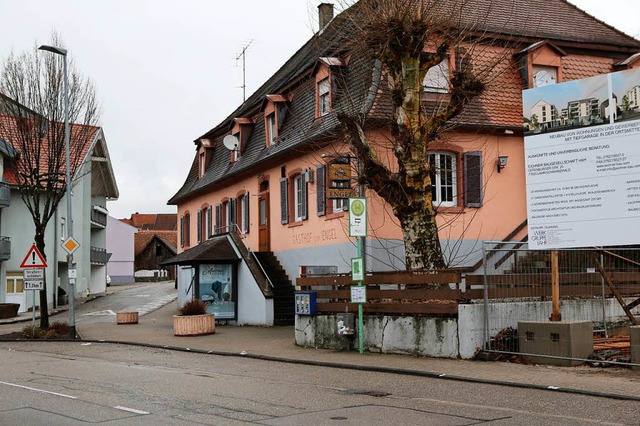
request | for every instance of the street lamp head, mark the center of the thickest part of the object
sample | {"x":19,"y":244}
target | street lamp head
{"x":57,"y":50}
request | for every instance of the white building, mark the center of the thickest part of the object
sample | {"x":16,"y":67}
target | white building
{"x":93,"y":183}
{"x":545,"y":114}
{"x":120,"y":243}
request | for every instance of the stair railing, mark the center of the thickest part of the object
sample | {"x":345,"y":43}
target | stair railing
{"x":261,"y":268}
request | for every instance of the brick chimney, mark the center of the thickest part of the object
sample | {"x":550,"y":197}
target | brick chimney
{"x":325,"y":14}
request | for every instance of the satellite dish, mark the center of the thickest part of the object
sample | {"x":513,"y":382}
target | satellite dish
{"x":230,"y":142}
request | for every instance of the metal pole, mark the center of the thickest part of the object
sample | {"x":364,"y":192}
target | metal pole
{"x":72,"y":283}
{"x":486,"y":298}
{"x":361,"y":254}
{"x":360,"y":319}
{"x":33,"y":309}
{"x":604,"y":312}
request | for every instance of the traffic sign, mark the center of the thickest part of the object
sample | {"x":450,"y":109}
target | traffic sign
{"x":357,"y":217}
{"x":357,"y":266}
{"x":70,"y":245}
{"x":33,"y":279}
{"x":34,"y":285}
{"x":33,"y":259}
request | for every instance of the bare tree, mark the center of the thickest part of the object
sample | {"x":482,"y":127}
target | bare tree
{"x":33,"y":122}
{"x":409,"y":37}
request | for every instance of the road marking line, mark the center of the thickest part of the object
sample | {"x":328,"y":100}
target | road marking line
{"x":131,"y":410}
{"x":38,"y":390}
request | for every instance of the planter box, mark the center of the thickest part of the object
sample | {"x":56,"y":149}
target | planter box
{"x":194,"y":325}
{"x":127,"y":317}
{"x":9,"y":310}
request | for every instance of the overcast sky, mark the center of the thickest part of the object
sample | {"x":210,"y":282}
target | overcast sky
{"x":166,"y":71}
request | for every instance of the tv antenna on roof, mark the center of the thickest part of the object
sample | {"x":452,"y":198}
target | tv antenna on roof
{"x":243,"y":55}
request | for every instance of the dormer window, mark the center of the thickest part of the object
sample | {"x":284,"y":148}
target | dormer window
{"x":437,"y":78}
{"x":324,"y":100}
{"x":203,"y":163}
{"x":272,"y":129}
{"x":235,"y":153}
{"x":544,"y":75}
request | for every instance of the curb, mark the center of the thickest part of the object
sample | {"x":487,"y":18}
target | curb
{"x":374,"y":369}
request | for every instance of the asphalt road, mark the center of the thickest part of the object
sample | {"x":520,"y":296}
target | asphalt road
{"x":58,"y":383}
{"x":143,"y":298}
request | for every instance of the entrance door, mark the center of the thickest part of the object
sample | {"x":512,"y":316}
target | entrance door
{"x":263,"y":227}
{"x":15,"y":290}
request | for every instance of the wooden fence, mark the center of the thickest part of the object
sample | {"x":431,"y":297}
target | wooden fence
{"x":438,"y":293}
{"x":393,"y":293}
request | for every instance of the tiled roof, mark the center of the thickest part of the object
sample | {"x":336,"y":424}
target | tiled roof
{"x":555,"y":20}
{"x":215,"y":249}
{"x":80,"y":141}
{"x":143,"y":238}
{"x":159,"y":222}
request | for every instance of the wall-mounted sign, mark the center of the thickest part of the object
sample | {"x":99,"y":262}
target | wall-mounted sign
{"x":338,"y":193}
{"x":339,"y":171}
{"x":216,"y":290}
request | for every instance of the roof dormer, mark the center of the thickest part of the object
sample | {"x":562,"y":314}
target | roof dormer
{"x":275,"y":111}
{"x":241,"y":129}
{"x":541,"y":64}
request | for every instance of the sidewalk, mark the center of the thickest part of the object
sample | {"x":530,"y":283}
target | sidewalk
{"x":156,"y":328}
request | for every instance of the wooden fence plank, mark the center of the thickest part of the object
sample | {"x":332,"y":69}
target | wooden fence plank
{"x":376,"y":279}
{"x":393,"y":294}
{"x":565,"y":278}
{"x":391,"y":308}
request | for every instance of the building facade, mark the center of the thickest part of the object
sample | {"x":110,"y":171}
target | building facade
{"x":267,"y":172}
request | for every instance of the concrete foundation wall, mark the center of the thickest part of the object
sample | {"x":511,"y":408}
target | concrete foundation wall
{"x":503,"y":315}
{"x":435,"y":337}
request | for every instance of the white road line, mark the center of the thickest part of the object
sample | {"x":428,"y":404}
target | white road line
{"x":38,"y":390}
{"x":130,"y":410}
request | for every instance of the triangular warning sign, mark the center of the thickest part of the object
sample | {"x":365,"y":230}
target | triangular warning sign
{"x":33,"y":259}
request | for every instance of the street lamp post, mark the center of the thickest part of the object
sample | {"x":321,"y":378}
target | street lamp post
{"x":72,"y":281}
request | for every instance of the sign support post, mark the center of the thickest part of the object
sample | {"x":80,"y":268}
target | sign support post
{"x":358,"y":228}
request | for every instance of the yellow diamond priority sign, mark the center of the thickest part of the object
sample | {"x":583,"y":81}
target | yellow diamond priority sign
{"x":70,"y":245}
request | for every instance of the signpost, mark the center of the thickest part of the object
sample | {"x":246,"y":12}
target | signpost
{"x":358,"y":228}
{"x":33,"y":274}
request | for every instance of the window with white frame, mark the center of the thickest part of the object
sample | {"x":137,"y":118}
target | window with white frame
{"x":202,"y":164}
{"x":437,"y":78}
{"x":299,"y":198}
{"x":323,"y":97}
{"x":63,"y":228}
{"x":271,"y":129}
{"x":243,"y":200}
{"x":443,"y":179}
{"x":544,"y":75}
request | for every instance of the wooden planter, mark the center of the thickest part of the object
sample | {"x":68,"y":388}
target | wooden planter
{"x":9,"y":310}
{"x":194,"y":325}
{"x":127,"y":317}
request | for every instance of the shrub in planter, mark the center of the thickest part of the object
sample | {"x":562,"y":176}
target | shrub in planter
{"x":193,"y":307}
{"x":193,"y":320}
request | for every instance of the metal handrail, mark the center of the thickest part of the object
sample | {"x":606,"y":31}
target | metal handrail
{"x":217,"y":230}
{"x":262,"y":269}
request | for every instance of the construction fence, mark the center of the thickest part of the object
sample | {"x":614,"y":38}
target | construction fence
{"x":598,"y":300}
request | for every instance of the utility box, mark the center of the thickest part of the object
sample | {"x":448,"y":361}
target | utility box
{"x":305,"y":303}
{"x":635,"y":345}
{"x":569,"y":339}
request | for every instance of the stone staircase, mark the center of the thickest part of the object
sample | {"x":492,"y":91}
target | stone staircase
{"x":283,"y":290}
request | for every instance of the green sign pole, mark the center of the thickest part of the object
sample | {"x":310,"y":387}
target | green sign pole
{"x":360,"y":319}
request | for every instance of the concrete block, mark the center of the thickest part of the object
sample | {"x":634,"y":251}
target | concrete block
{"x":635,"y":345}
{"x":570,"y":339}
